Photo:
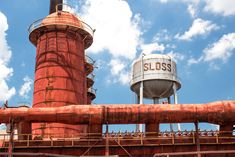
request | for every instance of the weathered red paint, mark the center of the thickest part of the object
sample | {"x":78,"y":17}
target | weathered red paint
{"x":134,"y":147}
{"x":60,"y":74}
{"x":126,"y":114}
{"x":61,"y":90}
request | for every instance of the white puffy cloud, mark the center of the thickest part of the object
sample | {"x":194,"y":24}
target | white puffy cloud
{"x":192,"y":10}
{"x":163,"y":1}
{"x":195,"y":2}
{"x":5,"y":55}
{"x":162,"y":35}
{"x":222,"y":49}
{"x":176,"y":56}
{"x":117,"y":29}
{"x":116,"y":66}
{"x":220,"y":7}
{"x":119,"y":72}
{"x":152,"y":47}
{"x":183,"y":1}
{"x":193,"y":61}
{"x":26,"y":87}
{"x":199,"y":27}
{"x":117,"y":32}
{"x":192,"y":5}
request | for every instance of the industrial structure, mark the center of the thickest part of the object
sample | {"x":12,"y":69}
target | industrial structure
{"x":63,"y":121}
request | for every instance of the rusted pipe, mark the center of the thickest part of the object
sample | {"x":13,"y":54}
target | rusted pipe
{"x":220,"y":112}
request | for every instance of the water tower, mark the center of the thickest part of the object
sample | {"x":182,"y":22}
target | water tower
{"x":154,"y":77}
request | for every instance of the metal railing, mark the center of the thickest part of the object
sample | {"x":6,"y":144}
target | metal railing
{"x":91,"y":76}
{"x":48,"y":154}
{"x":92,"y":90}
{"x":125,"y":139}
{"x":89,"y":60}
{"x":39,"y":23}
{"x":35,"y":154}
{"x":194,"y":153}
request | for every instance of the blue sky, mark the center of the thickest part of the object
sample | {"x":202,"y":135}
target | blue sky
{"x":200,"y":35}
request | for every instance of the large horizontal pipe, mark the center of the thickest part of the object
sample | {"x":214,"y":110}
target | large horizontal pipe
{"x":221,"y":112}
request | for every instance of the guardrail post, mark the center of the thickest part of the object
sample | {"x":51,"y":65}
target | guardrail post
{"x":118,"y":138}
{"x":193,"y":138}
{"x":51,"y":141}
{"x":173,"y":138}
{"x":4,"y":138}
{"x":28,"y":140}
{"x":198,"y":139}
{"x":72,"y":140}
{"x":141,"y":139}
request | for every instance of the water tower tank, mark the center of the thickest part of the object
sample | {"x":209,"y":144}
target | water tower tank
{"x":158,"y":73}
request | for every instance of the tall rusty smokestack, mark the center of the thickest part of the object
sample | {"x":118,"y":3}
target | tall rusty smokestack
{"x":54,"y":4}
{"x":61,"y":70}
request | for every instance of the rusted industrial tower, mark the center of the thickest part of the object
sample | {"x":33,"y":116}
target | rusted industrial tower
{"x":61,"y":68}
{"x":63,"y":93}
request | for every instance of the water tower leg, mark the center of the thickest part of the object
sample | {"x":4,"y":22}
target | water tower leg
{"x":176,"y":102}
{"x":171,"y":125}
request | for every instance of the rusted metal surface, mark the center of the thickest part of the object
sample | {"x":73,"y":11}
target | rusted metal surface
{"x":61,"y":121}
{"x":147,"y":149}
{"x":123,"y":144}
{"x":220,"y":112}
{"x":60,"y":73}
{"x":63,"y":21}
{"x":152,"y":127}
{"x":60,"y":77}
{"x":195,"y":153}
{"x":126,"y":139}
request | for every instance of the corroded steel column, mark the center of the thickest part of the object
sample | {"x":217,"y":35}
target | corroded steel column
{"x":226,"y":130}
{"x":151,"y":128}
{"x":60,"y":77}
{"x":60,"y":72}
